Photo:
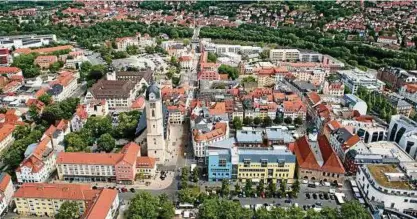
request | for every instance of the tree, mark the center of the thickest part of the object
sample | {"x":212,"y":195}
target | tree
{"x":188,"y":194}
{"x":298,"y":121}
{"x":257,"y":121}
{"x":237,"y":123}
{"x":329,"y":213}
{"x":166,"y":210}
{"x":186,"y":42}
{"x":264,"y":54}
{"x":295,"y":187}
{"x":261,"y":187}
{"x":225,"y":190}
{"x":194,"y":175}
{"x":68,"y":210}
{"x":54,"y":67}
{"x":267,"y":121}
{"x":143,"y":205}
{"x":248,"y":188}
{"x":127,"y":123}
{"x":238,"y":189}
{"x":75,"y":142}
{"x":132,"y":50}
{"x":85,"y":69}
{"x":25,"y":62}
{"x":220,"y":208}
{"x":232,"y":72}
{"x":211,"y":57}
{"x":288,"y":120}
{"x":184,"y":173}
{"x":271,"y":189}
{"x":353,"y":209}
{"x":46,"y":99}
{"x":283,"y":187}
{"x":248,"y":79}
{"x":98,"y":126}
{"x":278,"y":120}
{"x":247,"y":121}
{"x":106,"y":142}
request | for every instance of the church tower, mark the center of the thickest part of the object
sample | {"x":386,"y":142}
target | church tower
{"x":155,"y":124}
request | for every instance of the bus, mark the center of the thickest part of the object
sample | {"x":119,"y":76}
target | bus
{"x":339,"y":198}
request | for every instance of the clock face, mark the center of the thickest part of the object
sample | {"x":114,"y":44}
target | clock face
{"x":152,"y":96}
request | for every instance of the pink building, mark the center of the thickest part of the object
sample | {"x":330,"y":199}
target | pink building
{"x":87,"y":167}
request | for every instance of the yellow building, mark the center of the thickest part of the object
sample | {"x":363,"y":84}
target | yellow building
{"x":270,"y":165}
{"x":43,"y":199}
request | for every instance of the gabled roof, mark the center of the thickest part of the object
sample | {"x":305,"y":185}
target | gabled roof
{"x":5,"y":179}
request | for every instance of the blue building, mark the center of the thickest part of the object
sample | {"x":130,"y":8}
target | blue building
{"x":219,"y":164}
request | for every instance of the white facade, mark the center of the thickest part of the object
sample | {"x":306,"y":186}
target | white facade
{"x":333,"y":89}
{"x":403,"y":131}
{"x":31,"y":174}
{"x":8,"y":139}
{"x":67,"y":90}
{"x":397,"y":199}
{"x":26,"y":41}
{"x":355,"y":103}
{"x":84,"y":169}
{"x":356,"y":78}
{"x":123,"y":43}
{"x":284,"y":55}
{"x":408,"y":94}
{"x":155,"y":124}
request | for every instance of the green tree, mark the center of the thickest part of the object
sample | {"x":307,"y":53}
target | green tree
{"x":132,"y":50}
{"x":106,"y":142}
{"x":211,"y":57}
{"x":248,"y":79}
{"x":46,"y":99}
{"x":261,"y":187}
{"x":127,"y":123}
{"x":238,"y":189}
{"x":295,"y":187}
{"x":232,"y":72}
{"x":189,"y":194}
{"x":221,"y":208}
{"x":257,"y":121}
{"x":353,"y":209}
{"x":186,"y":42}
{"x":329,"y":213}
{"x":85,"y":69}
{"x":298,"y":121}
{"x":225,"y":190}
{"x":264,"y":54}
{"x":271,"y":189}
{"x":166,"y":210}
{"x":247,"y":121}
{"x":185,"y":173}
{"x":25,"y":62}
{"x":68,"y":210}
{"x":237,"y":123}
{"x":248,"y":188}
{"x":143,"y":205}
{"x":75,"y":142}
{"x":283,"y":187}
{"x":54,"y":67}
{"x":267,"y":121}
{"x":278,"y":120}
{"x":288,"y":120}
{"x":98,"y":126}
{"x":195,"y":174}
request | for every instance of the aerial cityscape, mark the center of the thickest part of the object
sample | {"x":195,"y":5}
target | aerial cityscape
{"x":208,"y":109}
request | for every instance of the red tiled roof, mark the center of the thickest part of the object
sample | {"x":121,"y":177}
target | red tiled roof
{"x":307,"y":160}
{"x":101,"y":206}
{"x":53,"y":191}
{"x":314,"y":97}
{"x":9,"y":70}
{"x":139,"y":103}
{"x":5,"y":182}
{"x":145,"y":162}
{"x":5,"y":131}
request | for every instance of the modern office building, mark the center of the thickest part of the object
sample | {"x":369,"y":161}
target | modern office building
{"x":355,"y":78}
{"x":284,"y":55}
{"x":389,"y":185}
{"x":26,"y":41}
{"x":355,"y":103}
{"x":403,"y":131}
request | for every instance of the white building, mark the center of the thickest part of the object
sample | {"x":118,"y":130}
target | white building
{"x":119,"y":95}
{"x":6,"y":136}
{"x":355,"y":103}
{"x":39,"y":162}
{"x":389,"y":185}
{"x":355,"y":78}
{"x":57,"y":134}
{"x":124,"y":42}
{"x":6,"y":191}
{"x":63,"y":87}
{"x":403,"y":131}
{"x":156,"y":145}
{"x":205,"y":132}
{"x":186,"y":62}
{"x":409,"y":91}
{"x":26,"y":41}
{"x":226,"y":48}
{"x":333,"y":88}
{"x":284,"y":55}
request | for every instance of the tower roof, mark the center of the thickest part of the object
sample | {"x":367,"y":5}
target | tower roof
{"x":153,"y":88}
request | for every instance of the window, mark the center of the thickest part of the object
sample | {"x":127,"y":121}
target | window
{"x":222,"y":162}
{"x":264,"y":163}
{"x":152,"y":105}
{"x":246,"y":162}
{"x":153,"y":113}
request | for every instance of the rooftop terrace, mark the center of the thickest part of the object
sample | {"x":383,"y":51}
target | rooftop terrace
{"x":379,"y":174}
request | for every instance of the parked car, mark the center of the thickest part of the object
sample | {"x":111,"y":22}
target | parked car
{"x":326,"y":196}
{"x":318,"y":203}
{"x":314,"y":195}
{"x":123,"y":189}
{"x":288,"y":201}
{"x":132,"y":190}
{"x":311,"y":185}
{"x":308,"y":195}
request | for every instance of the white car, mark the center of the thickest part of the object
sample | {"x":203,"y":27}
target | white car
{"x":305,"y":181}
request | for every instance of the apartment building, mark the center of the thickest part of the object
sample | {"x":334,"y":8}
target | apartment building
{"x":342,"y":140}
{"x":333,"y":88}
{"x":291,"y":55}
{"x":124,"y":42}
{"x":57,"y":134}
{"x":6,"y":192}
{"x":204,"y":133}
{"x":294,"y":109}
{"x":141,"y":77}
{"x":43,"y":199}
{"x":409,"y":91}
{"x":146,"y":166}
{"x":100,"y":167}
{"x":63,"y":87}
{"x":10,"y":71}
{"x":6,"y":136}
{"x":4,"y":56}
{"x":119,"y":95}
{"x":395,"y":78}
{"x":39,"y":162}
